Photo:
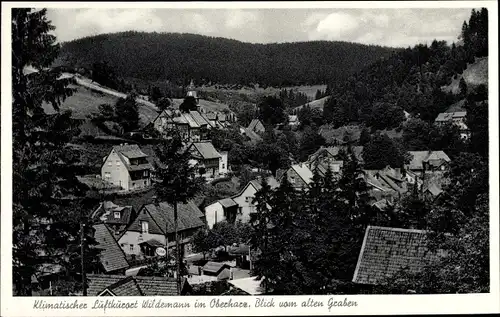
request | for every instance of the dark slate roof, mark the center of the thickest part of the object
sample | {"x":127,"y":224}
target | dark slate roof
{"x":387,"y":250}
{"x":189,"y":216}
{"x":214,"y":267}
{"x":106,"y":213}
{"x":198,"y":118}
{"x":206,"y":150}
{"x":130,"y":151}
{"x":126,"y":287}
{"x":121,"y":285}
{"x":418,"y":157}
{"x":111,"y":256}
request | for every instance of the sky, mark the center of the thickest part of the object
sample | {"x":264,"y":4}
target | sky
{"x":385,"y":27}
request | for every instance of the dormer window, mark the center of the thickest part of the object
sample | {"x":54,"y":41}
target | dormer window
{"x":117,"y":215}
{"x":144,"y":227}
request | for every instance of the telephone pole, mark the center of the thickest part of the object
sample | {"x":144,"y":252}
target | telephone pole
{"x":82,"y":257}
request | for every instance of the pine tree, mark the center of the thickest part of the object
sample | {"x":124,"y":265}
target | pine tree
{"x":49,"y":203}
{"x":263,"y":267}
{"x":177,"y":182}
{"x":127,"y":113}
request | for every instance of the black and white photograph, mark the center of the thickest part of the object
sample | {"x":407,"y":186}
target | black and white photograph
{"x":249,"y":151}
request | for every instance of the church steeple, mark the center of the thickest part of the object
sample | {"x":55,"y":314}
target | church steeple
{"x":191,"y":91}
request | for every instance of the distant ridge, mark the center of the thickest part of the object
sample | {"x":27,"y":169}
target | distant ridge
{"x":173,"y":56}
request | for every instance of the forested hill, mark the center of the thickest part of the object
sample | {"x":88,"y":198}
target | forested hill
{"x":174,"y":56}
{"x":416,"y":80}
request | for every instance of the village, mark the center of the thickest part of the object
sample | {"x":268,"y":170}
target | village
{"x":131,"y":238}
{"x":350,"y":190}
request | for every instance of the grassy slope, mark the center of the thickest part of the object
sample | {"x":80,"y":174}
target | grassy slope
{"x":88,"y":97}
{"x":475,"y":74}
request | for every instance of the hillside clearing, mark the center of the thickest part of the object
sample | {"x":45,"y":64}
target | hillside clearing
{"x":476,"y":74}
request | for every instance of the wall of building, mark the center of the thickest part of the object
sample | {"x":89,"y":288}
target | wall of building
{"x":133,"y":238}
{"x":295,"y":180}
{"x":223,"y":168}
{"x":245,"y":204}
{"x":118,"y":174}
{"x":214,"y":213}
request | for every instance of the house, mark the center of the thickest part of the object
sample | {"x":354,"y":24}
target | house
{"x":207,"y":159}
{"x":216,"y":269}
{"x":387,"y":179}
{"x":299,"y":176}
{"x":223,"y":163}
{"x":128,"y":167}
{"x":256,"y":126}
{"x":117,"y":218}
{"x":154,"y":221}
{"x":119,"y":285}
{"x":458,"y":118}
{"x":237,"y":207}
{"x":385,"y":251}
{"x":192,"y":126}
{"x":111,"y":256}
{"x":335,"y":153}
{"x":293,"y":120}
{"x":253,"y":136}
{"x":428,"y":161}
{"x":324,"y":158}
{"x":432,"y":191}
{"x":221,"y":210}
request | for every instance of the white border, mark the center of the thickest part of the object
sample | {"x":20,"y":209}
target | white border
{"x":371,"y":304}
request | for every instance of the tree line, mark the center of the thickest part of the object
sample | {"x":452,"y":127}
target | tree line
{"x":176,"y":57}
{"x":410,"y":80}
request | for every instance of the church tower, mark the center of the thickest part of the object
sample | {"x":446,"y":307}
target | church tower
{"x":191,"y":92}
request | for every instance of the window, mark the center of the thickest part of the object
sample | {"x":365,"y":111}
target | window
{"x":223,"y":166}
{"x":131,"y":248}
{"x":107,"y":175}
{"x":292,"y":179}
{"x":248,"y":199}
{"x":110,"y":163}
{"x":146,"y":173}
{"x":117,"y":214}
{"x":117,"y":163}
{"x":240,"y":210}
{"x":144,"y":227}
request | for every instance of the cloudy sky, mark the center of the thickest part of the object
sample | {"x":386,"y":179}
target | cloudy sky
{"x":388,"y":27}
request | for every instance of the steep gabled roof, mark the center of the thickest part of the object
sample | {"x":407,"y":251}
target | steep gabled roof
{"x":304,"y":172}
{"x":111,"y":256}
{"x":200,"y":120}
{"x":419,"y":157}
{"x":254,"y":124}
{"x":120,"y":285}
{"x":434,"y":189}
{"x":130,"y":151}
{"x":385,"y":251}
{"x":215,"y":267}
{"x":206,"y":150}
{"x":189,"y":216}
{"x":105,"y":213}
